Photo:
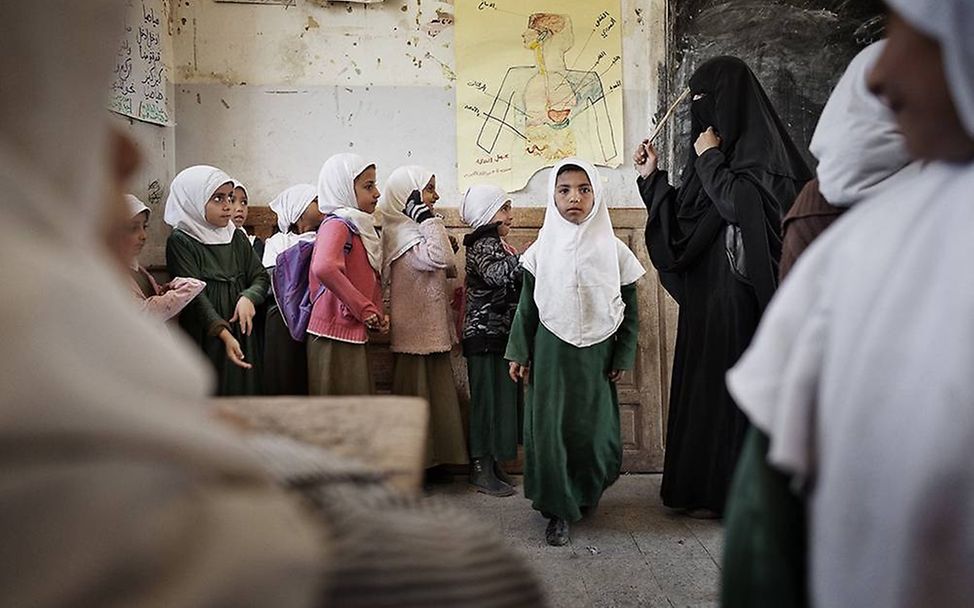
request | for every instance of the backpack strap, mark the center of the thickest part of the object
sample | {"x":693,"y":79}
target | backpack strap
{"x":351,"y":231}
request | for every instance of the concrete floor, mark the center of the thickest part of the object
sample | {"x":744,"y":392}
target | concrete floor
{"x":632,"y":552}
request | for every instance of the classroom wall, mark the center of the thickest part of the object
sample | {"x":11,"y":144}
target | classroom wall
{"x":268,"y":92}
{"x":157,"y":145}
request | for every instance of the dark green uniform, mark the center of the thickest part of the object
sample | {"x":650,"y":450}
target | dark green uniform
{"x":230,"y":271}
{"x":572,"y":444}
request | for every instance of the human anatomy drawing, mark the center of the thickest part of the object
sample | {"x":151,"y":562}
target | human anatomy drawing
{"x":557,"y":93}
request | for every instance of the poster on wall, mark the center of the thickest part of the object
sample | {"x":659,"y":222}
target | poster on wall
{"x":534,"y":87}
{"x":138,"y":88}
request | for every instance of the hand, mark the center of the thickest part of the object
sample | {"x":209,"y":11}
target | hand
{"x":385,"y":325}
{"x":233,"y":350}
{"x":184,"y":286}
{"x":615,"y":375}
{"x":415,"y":209}
{"x":245,"y":313}
{"x":707,"y":140}
{"x":646,"y":159}
{"x":518,"y":371}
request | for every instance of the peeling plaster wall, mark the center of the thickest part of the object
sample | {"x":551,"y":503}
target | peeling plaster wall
{"x":157,"y":145}
{"x":268,"y":92}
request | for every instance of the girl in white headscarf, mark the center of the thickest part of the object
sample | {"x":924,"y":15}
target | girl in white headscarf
{"x":240,"y":205}
{"x":344,"y":279}
{"x":162,"y":302}
{"x":493,"y":285}
{"x":285,"y":359}
{"x":418,"y":261}
{"x":206,"y":245}
{"x":573,"y":335}
{"x":858,"y":381}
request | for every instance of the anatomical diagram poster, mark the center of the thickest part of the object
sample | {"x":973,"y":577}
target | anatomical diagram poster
{"x":537,"y":81}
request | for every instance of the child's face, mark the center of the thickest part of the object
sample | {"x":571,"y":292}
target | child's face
{"x":219,"y":209}
{"x":574,"y":196}
{"x":135,"y":236}
{"x":429,"y":193}
{"x":504,"y":215}
{"x":311,"y":218}
{"x":239,"y":202}
{"x":909,"y":76}
{"x":366,"y":191}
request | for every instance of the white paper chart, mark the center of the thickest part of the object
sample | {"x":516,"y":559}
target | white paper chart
{"x":139,"y":81}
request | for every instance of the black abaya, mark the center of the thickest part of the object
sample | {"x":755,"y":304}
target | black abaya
{"x":748,"y":181}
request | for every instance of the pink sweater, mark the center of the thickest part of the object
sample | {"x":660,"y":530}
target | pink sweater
{"x":353,"y":292}
{"x":169,"y":299}
{"x":420,"y":295}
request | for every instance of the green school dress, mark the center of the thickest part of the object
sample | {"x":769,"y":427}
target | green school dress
{"x":572,"y":443}
{"x":230,"y":271}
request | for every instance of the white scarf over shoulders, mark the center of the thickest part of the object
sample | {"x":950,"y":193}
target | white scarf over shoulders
{"x":336,"y":196}
{"x":579,"y":269}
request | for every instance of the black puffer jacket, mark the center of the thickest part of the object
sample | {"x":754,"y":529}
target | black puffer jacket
{"x":493,"y":289}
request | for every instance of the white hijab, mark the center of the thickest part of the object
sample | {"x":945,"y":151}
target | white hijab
{"x":289,"y":206}
{"x":580,"y":268}
{"x":399,"y":232}
{"x":951,"y":22}
{"x":336,"y":196}
{"x":860,"y":374}
{"x":859,"y":146}
{"x":84,"y":474}
{"x":186,"y":205}
{"x":480,"y":203}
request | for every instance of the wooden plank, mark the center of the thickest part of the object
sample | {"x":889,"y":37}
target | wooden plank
{"x":387,"y":433}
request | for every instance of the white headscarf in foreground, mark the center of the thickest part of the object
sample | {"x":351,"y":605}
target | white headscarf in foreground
{"x":859,"y":146}
{"x":951,"y":22}
{"x":106,"y":436}
{"x":480,"y":203}
{"x":186,"y":205}
{"x":399,"y":232}
{"x":289,"y":206}
{"x":336,"y":196}
{"x":579,"y":269}
{"x":860,"y":374}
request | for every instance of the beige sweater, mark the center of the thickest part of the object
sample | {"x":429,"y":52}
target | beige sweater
{"x":420,"y":295}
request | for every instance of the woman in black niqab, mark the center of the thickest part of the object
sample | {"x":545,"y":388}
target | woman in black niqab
{"x":715,"y":242}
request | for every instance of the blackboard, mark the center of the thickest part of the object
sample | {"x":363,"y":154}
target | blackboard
{"x":797,"y":48}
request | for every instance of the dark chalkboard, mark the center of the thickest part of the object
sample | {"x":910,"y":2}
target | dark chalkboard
{"x":798,"y":49}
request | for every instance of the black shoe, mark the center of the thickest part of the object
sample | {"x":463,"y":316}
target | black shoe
{"x":503,"y":476}
{"x":482,"y":477}
{"x":556,"y":534}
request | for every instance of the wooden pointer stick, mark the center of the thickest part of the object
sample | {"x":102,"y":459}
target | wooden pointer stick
{"x":668,"y":115}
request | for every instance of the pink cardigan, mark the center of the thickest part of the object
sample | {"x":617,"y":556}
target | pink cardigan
{"x":420,"y":294}
{"x":352,"y":289}
{"x":168,"y":300}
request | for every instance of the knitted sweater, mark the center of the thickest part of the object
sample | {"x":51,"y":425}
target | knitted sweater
{"x":419,"y":293}
{"x":352,"y":289}
{"x":493,"y":289}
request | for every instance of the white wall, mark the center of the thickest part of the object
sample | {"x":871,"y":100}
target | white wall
{"x":268,"y":92}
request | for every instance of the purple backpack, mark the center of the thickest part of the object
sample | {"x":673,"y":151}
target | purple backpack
{"x":291,"y":284}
